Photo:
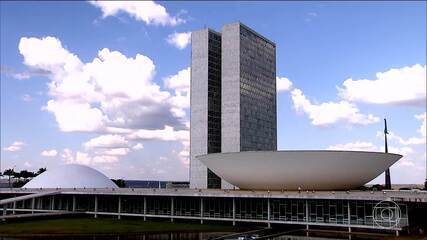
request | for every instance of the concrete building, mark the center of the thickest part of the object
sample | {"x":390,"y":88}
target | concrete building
{"x":205,"y":133}
{"x":248,"y":90}
{"x":233,"y":97}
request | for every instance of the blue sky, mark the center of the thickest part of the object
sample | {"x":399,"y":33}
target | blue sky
{"x":124,"y":110}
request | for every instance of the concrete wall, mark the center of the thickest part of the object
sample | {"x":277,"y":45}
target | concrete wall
{"x":230,"y":81}
{"x":199,"y":107}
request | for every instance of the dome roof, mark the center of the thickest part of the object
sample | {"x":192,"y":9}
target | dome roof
{"x":71,"y":176}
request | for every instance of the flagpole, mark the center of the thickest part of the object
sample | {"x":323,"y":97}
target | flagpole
{"x":387,"y":172}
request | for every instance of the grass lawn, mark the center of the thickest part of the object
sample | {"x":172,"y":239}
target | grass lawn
{"x":104,"y":226}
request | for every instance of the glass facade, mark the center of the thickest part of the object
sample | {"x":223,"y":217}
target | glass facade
{"x":214,"y":103}
{"x":332,"y":212}
{"x":257,"y":92}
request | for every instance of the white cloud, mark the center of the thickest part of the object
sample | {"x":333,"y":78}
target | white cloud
{"x":138,"y":146}
{"x":49,"y":153}
{"x":84,"y":158}
{"x":146,"y":11}
{"x":330,"y":113}
{"x":26,"y":98}
{"x":417,"y":140}
{"x":283,"y":84}
{"x":184,"y":154}
{"x":74,"y":116}
{"x":166,"y":134}
{"x":15,"y":146}
{"x":105,"y":159}
{"x":67,"y":155}
{"x":406,"y":85}
{"x":422,"y":130}
{"x":179,"y":40}
{"x":106,"y":141}
{"x":409,"y":141}
{"x":179,"y":81}
{"x":114,"y":152}
{"x":111,"y":92}
{"x":404,"y":151}
{"x":113,"y":96}
{"x":355,"y":146}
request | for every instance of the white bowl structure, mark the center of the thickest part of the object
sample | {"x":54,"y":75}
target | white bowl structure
{"x":71,"y":176}
{"x":291,"y":170}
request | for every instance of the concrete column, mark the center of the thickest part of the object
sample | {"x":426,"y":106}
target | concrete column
{"x":397,"y":233}
{"x":268,"y":213}
{"x":14,"y":207}
{"x":74,"y":203}
{"x":33,"y":202}
{"x":119,"y":208}
{"x":145,"y":208}
{"x":348,"y":217}
{"x":4,"y":211}
{"x":306,"y":215}
{"x":52,"y":202}
{"x":96,"y":207}
{"x":60,"y":203}
{"x":201,"y":210}
{"x":172,"y":209}
{"x":234,"y":212}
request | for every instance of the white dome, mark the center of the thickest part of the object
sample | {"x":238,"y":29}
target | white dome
{"x":71,"y":176}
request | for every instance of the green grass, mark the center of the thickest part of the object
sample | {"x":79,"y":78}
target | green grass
{"x":104,"y":226}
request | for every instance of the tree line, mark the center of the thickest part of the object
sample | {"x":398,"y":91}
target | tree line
{"x":21,"y":177}
{"x":24,"y":176}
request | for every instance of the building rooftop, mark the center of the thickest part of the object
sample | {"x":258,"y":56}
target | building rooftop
{"x":394,"y":195}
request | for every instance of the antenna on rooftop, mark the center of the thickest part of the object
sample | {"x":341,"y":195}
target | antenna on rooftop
{"x":387,"y":172}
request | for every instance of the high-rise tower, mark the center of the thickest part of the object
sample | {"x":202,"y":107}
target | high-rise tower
{"x":205,"y":122}
{"x":248,"y":90}
{"x":233,"y":97}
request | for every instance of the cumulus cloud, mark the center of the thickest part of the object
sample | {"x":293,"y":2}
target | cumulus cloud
{"x":180,"y":84}
{"x":370,"y":147}
{"x":330,"y":113}
{"x":73,"y":116}
{"x":112,"y":91}
{"x":15,"y":146}
{"x":68,"y":156}
{"x":179,"y":81}
{"x":114,"y":152}
{"x":179,"y":40}
{"x":166,"y":134}
{"x":138,"y":146}
{"x":49,"y":153}
{"x":147,"y":11}
{"x":283,"y":84}
{"x":416,"y":140}
{"x":112,"y":96}
{"x":106,"y":141}
{"x":422,"y":129}
{"x":405,"y":86}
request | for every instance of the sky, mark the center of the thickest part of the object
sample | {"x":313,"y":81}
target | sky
{"x":106,"y":84}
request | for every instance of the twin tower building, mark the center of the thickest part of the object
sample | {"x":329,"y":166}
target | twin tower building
{"x":233,"y":97}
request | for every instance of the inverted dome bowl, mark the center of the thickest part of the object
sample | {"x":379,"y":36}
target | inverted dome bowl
{"x":309,"y":170}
